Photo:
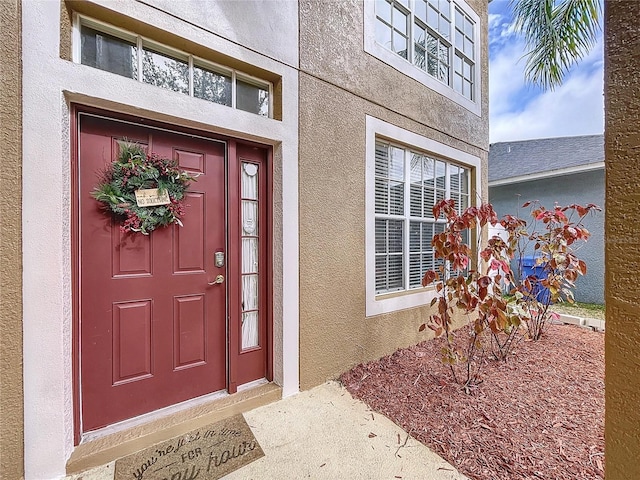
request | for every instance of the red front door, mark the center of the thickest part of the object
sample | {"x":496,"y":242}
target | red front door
{"x":152,"y":330}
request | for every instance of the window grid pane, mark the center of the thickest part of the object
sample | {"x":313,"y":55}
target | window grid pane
{"x":403,"y":251}
{"x":389,"y":255}
{"x":172,"y":71}
{"x":109,"y":53}
{"x":383,"y":10}
{"x":252,"y":98}
{"x":383,"y":33}
{"x":164,"y":71}
{"x":250,"y":326}
{"x":421,"y":256}
{"x":212,"y":86}
{"x":419,"y":45}
{"x":389,"y":182}
{"x":425,"y":33}
{"x":464,"y":55}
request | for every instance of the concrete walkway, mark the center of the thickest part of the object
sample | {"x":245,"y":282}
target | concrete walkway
{"x":324,"y":433}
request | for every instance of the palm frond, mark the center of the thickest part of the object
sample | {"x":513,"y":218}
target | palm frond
{"x":558,"y":34}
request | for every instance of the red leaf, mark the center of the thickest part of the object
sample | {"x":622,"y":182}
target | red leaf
{"x":482,"y":293}
{"x":429,"y":277}
{"x":582,"y":266}
{"x":561,"y":216}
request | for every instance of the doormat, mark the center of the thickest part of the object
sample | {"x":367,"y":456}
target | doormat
{"x":207,"y":453}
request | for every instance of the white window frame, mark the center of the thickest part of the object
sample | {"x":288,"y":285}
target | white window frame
{"x":146,"y":43}
{"x":408,"y":68}
{"x":378,"y":129}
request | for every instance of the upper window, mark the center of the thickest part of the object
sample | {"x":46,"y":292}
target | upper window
{"x":433,"y":35}
{"x":436,"y":38}
{"x":117,"y":51}
{"x":407,"y":175}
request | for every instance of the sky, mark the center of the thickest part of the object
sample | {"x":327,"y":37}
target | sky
{"x":519,"y":111}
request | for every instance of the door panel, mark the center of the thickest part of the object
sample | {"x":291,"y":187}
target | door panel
{"x":250,"y":346}
{"x":152,"y":330}
{"x":131,"y":341}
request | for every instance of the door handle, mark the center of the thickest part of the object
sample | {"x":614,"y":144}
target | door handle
{"x":219,"y":279}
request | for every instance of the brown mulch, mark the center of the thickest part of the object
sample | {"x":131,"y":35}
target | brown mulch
{"x":540,"y":415}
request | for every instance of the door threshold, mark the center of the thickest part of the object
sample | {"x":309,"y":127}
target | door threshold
{"x":151,"y":416}
{"x":254,"y":384}
{"x":142,"y":432}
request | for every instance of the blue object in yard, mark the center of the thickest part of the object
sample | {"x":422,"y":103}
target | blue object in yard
{"x":531,"y":268}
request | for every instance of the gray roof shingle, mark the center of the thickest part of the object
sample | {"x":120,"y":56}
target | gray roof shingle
{"x":527,"y":157}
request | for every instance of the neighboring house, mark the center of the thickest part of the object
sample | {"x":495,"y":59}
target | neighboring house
{"x":562,"y":170}
{"x":324,"y":133}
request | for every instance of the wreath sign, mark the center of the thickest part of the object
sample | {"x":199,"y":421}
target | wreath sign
{"x":144,"y":191}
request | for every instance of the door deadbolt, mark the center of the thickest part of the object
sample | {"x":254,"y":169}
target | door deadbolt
{"x":219,"y":259}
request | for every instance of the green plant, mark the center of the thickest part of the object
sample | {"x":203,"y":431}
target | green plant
{"x":558,"y":34}
{"x":133,"y":171}
{"x":495,"y":322}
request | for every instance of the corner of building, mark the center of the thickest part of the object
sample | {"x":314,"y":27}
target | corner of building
{"x":11,"y":383}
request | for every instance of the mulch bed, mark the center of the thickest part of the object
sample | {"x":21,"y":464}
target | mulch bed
{"x":540,"y":415}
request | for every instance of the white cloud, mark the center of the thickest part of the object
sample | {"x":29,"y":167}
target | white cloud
{"x":520,"y":112}
{"x":576,"y":108}
{"x":494,"y":20}
{"x":506,"y":78}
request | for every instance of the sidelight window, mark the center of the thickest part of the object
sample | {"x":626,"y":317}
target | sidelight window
{"x":250,"y":256}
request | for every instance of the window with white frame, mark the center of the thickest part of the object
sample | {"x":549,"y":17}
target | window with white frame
{"x":407,"y":174}
{"x":438,"y":37}
{"x":433,"y":35}
{"x":408,"y":183}
{"x":124,"y":53}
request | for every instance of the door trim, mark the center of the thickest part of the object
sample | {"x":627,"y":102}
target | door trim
{"x":77,"y":110}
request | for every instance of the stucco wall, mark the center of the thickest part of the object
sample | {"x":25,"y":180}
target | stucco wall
{"x":331,"y":49}
{"x":340,"y":85}
{"x":266,"y":27}
{"x":50,"y":84}
{"x":11,"y":458}
{"x":579,"y":188}
{"x":334,"y":332}
{"x":622,"y":239}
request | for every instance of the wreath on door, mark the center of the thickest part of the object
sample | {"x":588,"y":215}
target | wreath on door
{"x":144,"y":191}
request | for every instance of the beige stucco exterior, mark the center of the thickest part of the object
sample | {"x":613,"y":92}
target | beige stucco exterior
{"x":622,"y":240}
{"x":338,"y":90}
{"x":332,"y":71}
{"x":11,"y":399}
{"x":52,"y":82}
{"x":331,"y":50}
